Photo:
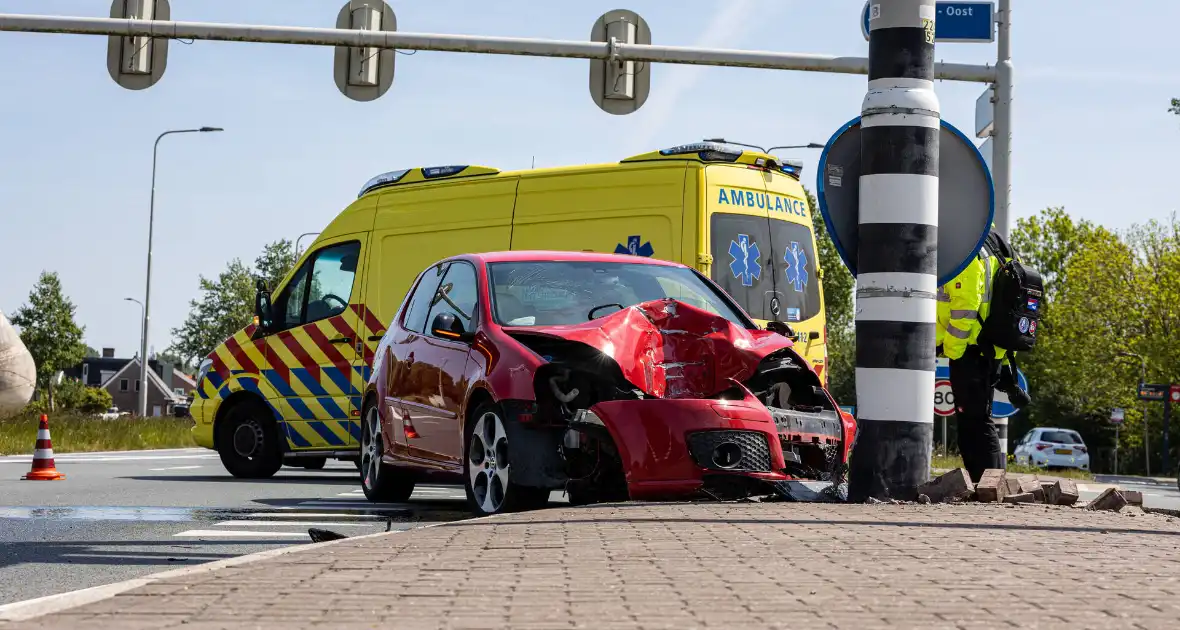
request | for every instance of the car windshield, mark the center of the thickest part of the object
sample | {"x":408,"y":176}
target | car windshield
{"x":1061,"y":437}
{"x":552,"y":293}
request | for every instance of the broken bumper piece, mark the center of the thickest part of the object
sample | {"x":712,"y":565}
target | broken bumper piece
{"x":680,"y":448}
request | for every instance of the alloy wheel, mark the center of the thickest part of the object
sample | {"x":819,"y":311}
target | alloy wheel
{"x":371,"y":448}
{"x":488,"y":467}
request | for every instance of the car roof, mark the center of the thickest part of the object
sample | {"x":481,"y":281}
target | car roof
{"x":563,"y":256}
{"x":1054,"y":429}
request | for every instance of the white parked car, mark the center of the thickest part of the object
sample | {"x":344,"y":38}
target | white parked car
{"x":112,"y":413}
{"x":1050,"y":447}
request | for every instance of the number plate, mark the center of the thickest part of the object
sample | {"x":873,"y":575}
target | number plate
{"x":1063,"y":451}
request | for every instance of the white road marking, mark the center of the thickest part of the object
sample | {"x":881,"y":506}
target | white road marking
{"x":87,"y":458}
{"x":229,"y":533}
{"x":173,"y":468}
{"x":314,"y":515}
{"x":245,"y":523}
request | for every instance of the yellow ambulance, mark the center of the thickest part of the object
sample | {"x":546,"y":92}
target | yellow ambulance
{"x":740,"y":217}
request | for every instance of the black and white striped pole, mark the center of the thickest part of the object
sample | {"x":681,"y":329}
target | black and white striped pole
{"x":897,"y":259}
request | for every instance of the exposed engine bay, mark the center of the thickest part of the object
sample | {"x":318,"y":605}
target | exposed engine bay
{"x":662,"y":398}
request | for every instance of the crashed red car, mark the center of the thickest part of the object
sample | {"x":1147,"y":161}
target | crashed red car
{"x":609,"y":377}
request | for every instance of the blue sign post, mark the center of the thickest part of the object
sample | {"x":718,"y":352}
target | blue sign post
{"x":962,"y":22}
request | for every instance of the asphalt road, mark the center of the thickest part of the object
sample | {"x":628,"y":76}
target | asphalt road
{"x":1156,"y":494}
{"x":118,"y":516}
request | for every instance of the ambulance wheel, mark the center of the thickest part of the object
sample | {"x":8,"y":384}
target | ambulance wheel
{"x":248,"y":442}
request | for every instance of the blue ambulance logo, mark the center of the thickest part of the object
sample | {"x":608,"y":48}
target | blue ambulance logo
{"x":634,"y":248}
{"x":746,"y":265}
{"x":796,"y":260}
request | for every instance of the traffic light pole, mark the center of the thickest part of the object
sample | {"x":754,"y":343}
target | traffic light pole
{"x":531,"y":47}
{"x":897,"y":258}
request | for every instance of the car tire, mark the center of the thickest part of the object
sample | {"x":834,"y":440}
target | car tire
{"x":380,"y":482}
{"x":311,"y":463}
{"x":487,"y":461}
{"x":247,"y":441}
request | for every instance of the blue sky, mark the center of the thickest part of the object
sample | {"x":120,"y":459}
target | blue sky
{"x":1091,"y":128}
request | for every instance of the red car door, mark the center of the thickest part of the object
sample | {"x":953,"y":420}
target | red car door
{"x":427,"y":370}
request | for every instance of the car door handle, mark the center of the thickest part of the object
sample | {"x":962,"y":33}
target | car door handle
{"x":376,"y":337}
{"x":341,"y":340}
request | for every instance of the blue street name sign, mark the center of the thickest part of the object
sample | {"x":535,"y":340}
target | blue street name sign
{"x":954,"y":21}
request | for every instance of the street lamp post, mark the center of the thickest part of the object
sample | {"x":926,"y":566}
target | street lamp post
{"x":147,"y":293}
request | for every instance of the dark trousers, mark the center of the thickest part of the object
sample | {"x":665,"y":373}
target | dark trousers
{"x":973,"y":381}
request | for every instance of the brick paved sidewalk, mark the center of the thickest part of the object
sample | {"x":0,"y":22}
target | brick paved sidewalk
{"x":771,"y":565}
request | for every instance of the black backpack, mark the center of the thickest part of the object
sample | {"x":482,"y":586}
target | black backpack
{"x":1017,"y":301}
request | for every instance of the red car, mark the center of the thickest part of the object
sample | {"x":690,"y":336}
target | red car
{"x":610,"y":377}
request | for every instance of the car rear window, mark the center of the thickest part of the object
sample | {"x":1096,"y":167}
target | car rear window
{"x":1061,"y":437}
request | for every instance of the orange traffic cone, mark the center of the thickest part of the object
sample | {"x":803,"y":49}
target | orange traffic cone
{"x":43,"y":469}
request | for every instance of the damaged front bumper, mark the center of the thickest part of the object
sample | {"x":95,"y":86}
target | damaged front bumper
{"x":678,"y":448}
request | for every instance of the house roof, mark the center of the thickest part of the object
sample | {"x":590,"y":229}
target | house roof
{"x":151,"y":374}
{"x":184,"y":377}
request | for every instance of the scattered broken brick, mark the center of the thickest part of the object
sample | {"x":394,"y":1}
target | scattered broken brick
{"x":1052,"y":492}
{"x":1013,"y":485}
{"x":1110,"y":499}
{"x":1023,"y":497}
{"x":952,"y":486}
{"x":1067,"y":492}
{"x":1029,"y":484}
{"x":992,"y":486}
{"x":1133,"y":497}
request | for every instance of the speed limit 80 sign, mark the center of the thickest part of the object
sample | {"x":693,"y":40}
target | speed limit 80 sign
{"x":944,"y":398}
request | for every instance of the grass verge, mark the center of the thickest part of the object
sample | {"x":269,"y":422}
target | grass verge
{"x":78,"y":433}
{"x":954,"y":461}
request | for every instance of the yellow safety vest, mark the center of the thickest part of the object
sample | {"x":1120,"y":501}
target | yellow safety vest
{"x":962,"y":303}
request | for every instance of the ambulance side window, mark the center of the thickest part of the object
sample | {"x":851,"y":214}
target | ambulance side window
{"x":289,"y":305}
{"x":320,"y":289}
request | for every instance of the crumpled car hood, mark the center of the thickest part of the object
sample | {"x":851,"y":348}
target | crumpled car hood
{"x":669,"y":349}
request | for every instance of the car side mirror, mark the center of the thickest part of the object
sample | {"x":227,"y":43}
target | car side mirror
{"x":447,"y":326}
{"x":262,"y":307}
{"x":781,"y":328}
{"x":813,"y":334}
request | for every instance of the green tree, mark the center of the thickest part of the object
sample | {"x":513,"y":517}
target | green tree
{"x":226,"y":304}
{"x":1115,"y":298}
{"x":1175,"y":108}
{"x":72,"y":394}
{"x":838,"y":289}
{"x":48,"y":330}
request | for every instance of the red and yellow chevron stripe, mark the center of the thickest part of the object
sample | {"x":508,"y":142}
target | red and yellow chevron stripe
{"x":311,"y":381}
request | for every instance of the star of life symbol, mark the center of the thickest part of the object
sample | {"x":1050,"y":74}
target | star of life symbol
{"x":796,"y":271}
{"x":634,"y":248}
{"x":745,"y":266}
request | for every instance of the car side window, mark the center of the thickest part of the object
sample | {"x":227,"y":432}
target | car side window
{"x":456,"y":295}
{"x":419,"y":306}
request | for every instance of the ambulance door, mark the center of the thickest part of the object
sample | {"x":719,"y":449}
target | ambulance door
{"x":314,"y":352}
{"x":740,"y":238}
